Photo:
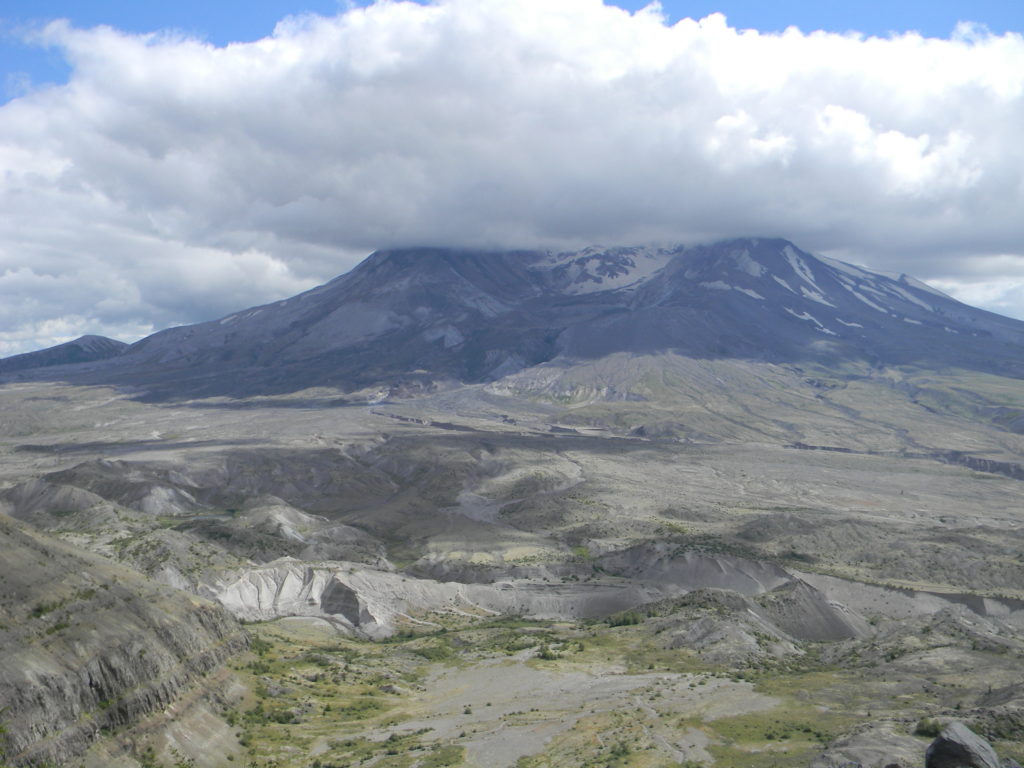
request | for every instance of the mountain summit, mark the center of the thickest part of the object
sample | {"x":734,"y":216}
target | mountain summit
{"x":424,"y":315}
{"x":82,"y":350}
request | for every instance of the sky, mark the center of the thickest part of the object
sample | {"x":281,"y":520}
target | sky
{"x":163,"y":164}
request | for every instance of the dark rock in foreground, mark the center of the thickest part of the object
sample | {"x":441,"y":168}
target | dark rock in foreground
{"x":960,"y":747}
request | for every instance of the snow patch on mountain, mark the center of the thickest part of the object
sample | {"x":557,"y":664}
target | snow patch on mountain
{"x":911,"y":298}
{"x":748,"y":265}
{"x":809,"y":317}
{"x":597,"y":269}
{"x":862,"y":273}
{"x":750,"y":292}
{"x":869,"y":302}
{"x":849,"y":269}
{"x":800,"y":267}
{"x":240,"y":316}
{"x":783,"y":283}
{"x":719,"y":285}
{"x":815,"y":296}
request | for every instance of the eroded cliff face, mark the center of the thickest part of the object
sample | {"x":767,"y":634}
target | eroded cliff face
{"x":372,"y":603}
{"x":87,"y":646}
{"x":368,"y":602}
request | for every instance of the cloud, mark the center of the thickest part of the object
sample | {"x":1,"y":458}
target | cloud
{"x":171,"y":180}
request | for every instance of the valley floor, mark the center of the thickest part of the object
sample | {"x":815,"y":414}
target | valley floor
{"x":514,"y":693}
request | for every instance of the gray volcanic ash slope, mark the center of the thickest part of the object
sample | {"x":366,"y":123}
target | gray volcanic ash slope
{"x":419,"y":317}
{"x":82,"y":350}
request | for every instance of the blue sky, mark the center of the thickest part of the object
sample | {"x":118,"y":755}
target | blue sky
{"x":226,"y":21}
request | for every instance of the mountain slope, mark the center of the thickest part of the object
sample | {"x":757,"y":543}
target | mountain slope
{"x":88,"y":646}
{"x":82,"y":350}
{"x":414,"y":318}
{"x":767,"y":300}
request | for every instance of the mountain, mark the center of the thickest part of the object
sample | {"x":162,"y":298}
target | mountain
{"x":414,"y":318}
{"x":84,"y":349}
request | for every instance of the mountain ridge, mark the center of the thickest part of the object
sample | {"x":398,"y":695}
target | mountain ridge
{"x":424,"y":316}
{"x":84,"y":349}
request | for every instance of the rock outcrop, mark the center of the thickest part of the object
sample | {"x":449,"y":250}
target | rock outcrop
{"x":957,"y":746}
{"x":724,"y":626}
{"x":369,"y":602}
{"x":87,"y":646}
{"x":878,"y":745}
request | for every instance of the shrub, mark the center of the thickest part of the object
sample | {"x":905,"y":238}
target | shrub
{"x":927,"y":726}
{"x":628,"y":618}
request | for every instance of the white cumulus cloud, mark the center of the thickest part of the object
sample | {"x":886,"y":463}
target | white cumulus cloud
{"x":171,"y":180}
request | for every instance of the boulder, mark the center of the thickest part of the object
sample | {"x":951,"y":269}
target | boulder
{"x":957,"y":746}
{"x":872,"y":746}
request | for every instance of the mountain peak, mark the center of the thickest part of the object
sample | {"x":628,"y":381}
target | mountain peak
{"x":84,"y":349}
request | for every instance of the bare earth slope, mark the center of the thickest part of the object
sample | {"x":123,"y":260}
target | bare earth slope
{"x":83,"y":350}
{"x":90,"y":646}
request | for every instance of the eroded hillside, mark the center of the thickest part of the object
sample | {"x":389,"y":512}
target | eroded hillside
{"x":91,"y":647}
